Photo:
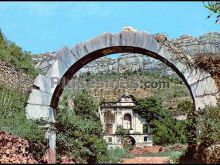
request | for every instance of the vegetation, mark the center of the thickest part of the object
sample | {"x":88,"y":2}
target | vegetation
{"x":13,"y":120}
{"x":208,"y":133}
{"x":214,"y":7}
{"x":79,"y":131}
{"x":173,"y":155}
{"x":166,"y":129}
{"x":15,"y":56}
{"x":114,"y":155}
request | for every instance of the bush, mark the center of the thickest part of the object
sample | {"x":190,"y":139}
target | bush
{"x":208,"y":135}
{"x":13,"y":120}
{"x":115,"y":154}
{"x":166,"y":130}
{"x":79,"y":130}
{"x":16,"y":57}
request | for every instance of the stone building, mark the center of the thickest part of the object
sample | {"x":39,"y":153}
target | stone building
{"x":120,"y":113}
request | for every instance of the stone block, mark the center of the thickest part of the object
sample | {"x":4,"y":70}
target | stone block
{"x":205,"y":101}
{"x":39,"y":97}
{"x":165,"y":53}
{"x":152,"y":44}
{"x":194,"y":75}
{"x":66,"y":56}
{"x":57,"y":70}
{"x":141,"y":39}
{"x":205,"y":87}
{"x":128,"y":38}
{"x":100,"y":42}
{"x":117,"y":39}
{"x":79,"y":50}
{"x":45,"y":84}
{"x":39,"y":112}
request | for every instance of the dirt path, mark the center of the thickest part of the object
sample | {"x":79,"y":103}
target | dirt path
{"x":146,"y":160}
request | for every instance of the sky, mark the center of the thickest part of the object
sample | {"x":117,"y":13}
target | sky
{"x":41,"y":27}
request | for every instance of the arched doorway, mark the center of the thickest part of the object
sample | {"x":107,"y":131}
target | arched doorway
{"x":128,"y":142}
{"x":47,"y":89}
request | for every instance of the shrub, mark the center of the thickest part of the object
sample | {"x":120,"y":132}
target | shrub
{"x":13,"y":120}
{"x":15,"y":56}
{"x":79,"y":130}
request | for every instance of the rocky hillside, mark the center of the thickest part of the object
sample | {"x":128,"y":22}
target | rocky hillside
{"x":207,"y":43}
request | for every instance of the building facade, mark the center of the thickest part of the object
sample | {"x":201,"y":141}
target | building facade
{"x":120,"y":114}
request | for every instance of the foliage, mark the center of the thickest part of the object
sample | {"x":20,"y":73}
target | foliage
{"x":209,"y":126}
{"x":79,"y":131}
{"x":166,"y":129}
{"x":169,"y":131}
{"x":207,"y":135}
{"x":115,"y":154}
{"x":150,"y":109}
{"x":214,"y":7}
{"x":173,"y":155}
{"x":15,"y":56}
{"x":121,"y":131}
{"x":84,"y":105}
{"x":185,"y":106}
{"x":13,"y":120}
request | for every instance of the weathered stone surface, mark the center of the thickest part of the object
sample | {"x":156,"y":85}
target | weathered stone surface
{"x":141,"y":39}
{"x":39,"y":97}
{"x":57,"y":70}
{"x":117,"y":39}
{"x":195,"y":75}
{"x":204,"y":87}
{"x":152,"y":44}
{"x":164,"y":52}
{"x":45,"y":84}
{"x":205,"y":101}
{"x":128,"y":38}
{"x":100,"y":42}
{"x":79,"y":50}
{"x":37,"y":112}
{"x":66,"y":56}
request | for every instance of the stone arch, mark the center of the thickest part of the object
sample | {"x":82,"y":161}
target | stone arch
{"x":45,"y":94}
{"x":47,"y":89}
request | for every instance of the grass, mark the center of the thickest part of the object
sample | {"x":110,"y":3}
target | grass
{"x":114,"y":155}
{"x":174,"y":155}
{"x":13,"y":118}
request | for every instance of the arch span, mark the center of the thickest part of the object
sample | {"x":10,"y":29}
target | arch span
{"x":45,"y":94}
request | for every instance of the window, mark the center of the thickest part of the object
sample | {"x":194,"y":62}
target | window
{"x":145,"y":128}
{"x":127,"y":121}
{"x":110,"y":139}
{"x":145,"y":138}
{"x":109,"y":128}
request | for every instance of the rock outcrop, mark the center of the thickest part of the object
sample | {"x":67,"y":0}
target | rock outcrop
{"x":14,"y":78}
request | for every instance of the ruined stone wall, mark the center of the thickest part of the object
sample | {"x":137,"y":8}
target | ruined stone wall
{"x":14,"y":78}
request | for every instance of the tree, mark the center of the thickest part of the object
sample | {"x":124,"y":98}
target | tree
{"x":165,"y":129}
{"x":79,"y":130}
{"x":214,"y":7}
{"x":150,"y":109}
